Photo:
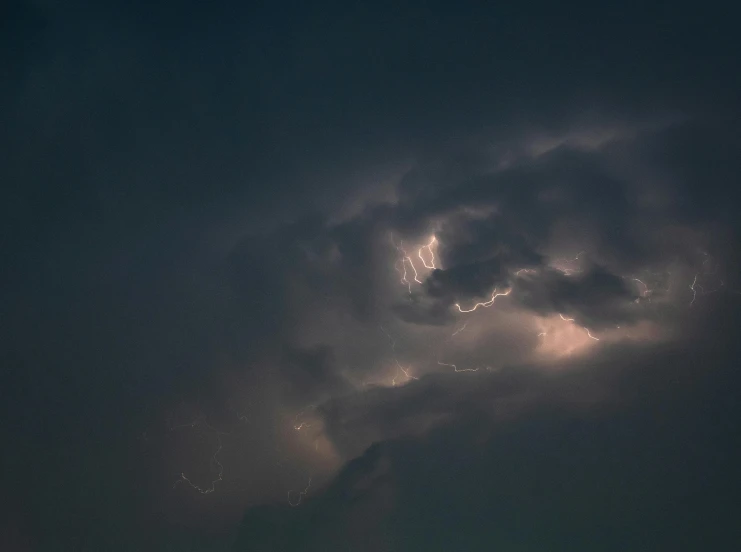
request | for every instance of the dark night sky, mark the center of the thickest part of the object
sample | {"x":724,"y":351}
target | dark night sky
{"x":212,"y":219}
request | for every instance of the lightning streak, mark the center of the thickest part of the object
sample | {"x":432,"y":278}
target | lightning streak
{"x":646,"y":291}
{"x":453,"y":366}
{"x":212,"y":487}
{"x":403,"y":272}
{"x":488,"y":303}
{"x":298,"y":426}
{"x":432,"y":255}
{"x":459,"y":330}
{"x":456,"y":369}
{"x":585,"y":329}
{"x":404,"y":371}
{"x":301,"y":495}
{"x":694,"y":291}
{"x":404,"y":260}
{"x":399,"y":367}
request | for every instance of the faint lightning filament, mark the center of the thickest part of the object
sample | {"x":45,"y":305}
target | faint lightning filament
{"x":404,"y":371}
{"x":459,"y":330}
{"x":301,"y":495}
{"x":212,"y":487}
{"x":456,"y":369}
{"x":646,"y":291}
{"x":399,"y":367}
{"x":694,"y":291}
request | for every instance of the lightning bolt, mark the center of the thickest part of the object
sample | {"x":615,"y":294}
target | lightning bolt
{"x":432,"y":255}
{"x":298,"y":426}
{"x":399,"y":367}
{"x":453,"y":366}
{"x":709,"y":268}
{"x":301,"y":495}
{"x":459,"y":330}
{"x":406,"y":372}
{"x":212,"y":487}
{"x":200,"y":422}
{"x":694,"y":291}
{"x":456,"y":369}
{"x":646,"y":291}
{"x":403,"y":272}
{"x":404,"y":260}
{"x":585,"y":329}
{"x":488,"y":303}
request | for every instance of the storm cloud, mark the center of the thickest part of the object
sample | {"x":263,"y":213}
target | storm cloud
{"x":426,"y":278}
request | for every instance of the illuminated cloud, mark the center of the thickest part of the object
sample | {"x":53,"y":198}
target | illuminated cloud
{"x":324,"y":271}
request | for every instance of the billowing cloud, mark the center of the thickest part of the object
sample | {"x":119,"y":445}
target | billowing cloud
{"x":324,"y":263}
{"x":536,"y":459}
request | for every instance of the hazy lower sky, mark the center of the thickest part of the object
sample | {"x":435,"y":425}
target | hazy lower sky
{"x":369,"y":276}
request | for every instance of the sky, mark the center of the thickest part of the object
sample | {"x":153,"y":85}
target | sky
{"x":367,"y":276}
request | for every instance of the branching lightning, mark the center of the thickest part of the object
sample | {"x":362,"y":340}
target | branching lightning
{"x":404,"y":371}
{"x":696,"y":287}
{"x":406,"y":259}
{"x":454,"y":366}
{"x":399,"y":367}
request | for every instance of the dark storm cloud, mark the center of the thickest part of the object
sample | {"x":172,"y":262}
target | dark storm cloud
{"x":363,"y":483}
{"x":470,"y":240}
{"x":311,"y":375}
{"x":466,"y":281}
{"x":617,"y":195}
{"x":420,"y":310}
{"x":498,"y":223}
{"x":596,"y":297}
{"x":570,"y":471}
{"x":359,"y":419}
{"x":160,"y":169}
